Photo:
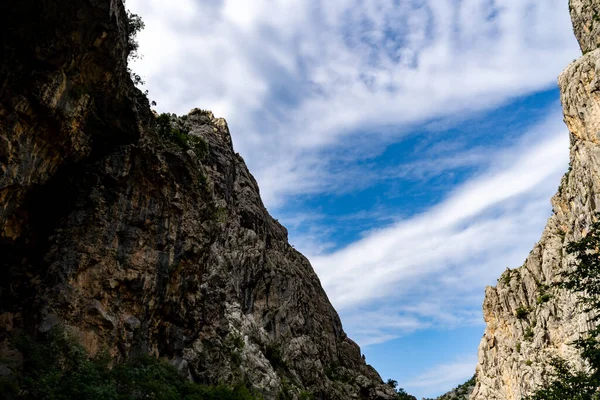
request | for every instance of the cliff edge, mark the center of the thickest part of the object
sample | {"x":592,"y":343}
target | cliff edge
{"x":140,"y":244}
{"x":528,"y":320}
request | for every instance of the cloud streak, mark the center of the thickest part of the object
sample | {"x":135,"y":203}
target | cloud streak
{"x":429,"y":270}
{"x":315,"y":91}
{"x":441,"y":377}
{"x":298,"y":79}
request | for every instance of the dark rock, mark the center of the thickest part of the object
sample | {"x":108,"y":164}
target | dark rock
{"x":102,"y":220}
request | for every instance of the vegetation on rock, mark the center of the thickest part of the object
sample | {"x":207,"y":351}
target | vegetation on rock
{"x":57,"y":368}
{"x":566,"y":382}
{"x":400,"y":393}
{"x":180,"y":136}
{"x":461,"y":392}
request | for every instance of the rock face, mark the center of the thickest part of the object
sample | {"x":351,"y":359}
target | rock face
{"x":527,"y":319}
{"x":135,"y":244}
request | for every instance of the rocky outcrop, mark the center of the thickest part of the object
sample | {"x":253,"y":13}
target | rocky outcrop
{"x":136,"y":244}
{"x":528,"y":319}
{"x":585,"y":15}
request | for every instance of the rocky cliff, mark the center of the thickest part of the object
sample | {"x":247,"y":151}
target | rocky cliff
{"x":528,"y":320}
{"x":138,"y":244}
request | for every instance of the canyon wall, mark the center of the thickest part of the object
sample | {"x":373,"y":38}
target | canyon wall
{"x":528,"y":319}
{"x":138,"y":244}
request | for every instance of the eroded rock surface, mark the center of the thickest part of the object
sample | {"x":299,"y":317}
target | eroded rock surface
{"x":528,"y":320}
{"x":585,"y":15}
{"x":135,"y":244}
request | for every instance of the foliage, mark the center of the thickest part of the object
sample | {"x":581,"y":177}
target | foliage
{"x":59,"y":369}
{"x":506,"y":276}
{"x":460,"y":392}
{"x":544,"y":298}
{"x":275,"y":357}
{"x":400,"y":393}
{"x":134,"y":26}
{"x":521,"y":312}
{"x":180,"y":137}
{"x":528,"y":334}
{"x":584,"y":279}
{"x":199,"y":146}
{"x":567,"y":384}
{"x":304,"y":395}
{"x":234,"y":344}
{"x":336,"y":373}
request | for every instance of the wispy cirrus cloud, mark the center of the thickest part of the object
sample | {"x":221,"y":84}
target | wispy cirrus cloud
{"x":442,"y":377}
{"x":316,"y":91}
{"x":430,"y":268}
{"x":298,"y":79}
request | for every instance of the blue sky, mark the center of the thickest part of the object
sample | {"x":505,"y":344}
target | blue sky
{"x":411,"y":147}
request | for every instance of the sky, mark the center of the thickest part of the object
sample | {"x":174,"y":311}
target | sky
{"x":410,"y":147}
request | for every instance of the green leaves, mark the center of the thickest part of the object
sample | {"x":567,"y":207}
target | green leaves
{"x":134,"y":26}
{"x":567,"y":384}
{"x":57,"y":368}
{"x":584,"y":280}
{"x":400,"y":393}
{"x":180,"y":137}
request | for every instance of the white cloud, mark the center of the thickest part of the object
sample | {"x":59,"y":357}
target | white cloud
{"x":305,"y":84}
{"x":429,"y":270}
{"x":296,"y":79}
{"x":444,"y":376}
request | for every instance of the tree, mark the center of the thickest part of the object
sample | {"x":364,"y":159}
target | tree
{"x":400,"y":393}
{"x":134,"y":26}
{"x":584,"y":280}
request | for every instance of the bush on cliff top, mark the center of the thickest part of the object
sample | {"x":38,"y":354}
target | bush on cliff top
{"x":180,"y":137}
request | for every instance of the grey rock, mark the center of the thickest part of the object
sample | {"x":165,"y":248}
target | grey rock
{"x":49,"y":322}
{"x":528,"y":320}
{"x":585,"y":15}
{"x":132,"y":323}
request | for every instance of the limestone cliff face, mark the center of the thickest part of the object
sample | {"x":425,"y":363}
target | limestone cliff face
{"x":135,"y":244}
{"x":527,"y":319}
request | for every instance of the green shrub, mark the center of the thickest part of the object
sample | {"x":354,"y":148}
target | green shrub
{"x":564,"y":381}
{"x":179,"y":137}
{"x":57,"y":368}
{"x":134,"y":26}
{"x":506,"y":277}
{"x":234,"y":345}
{"x":275,"y":357}
{"x":528,"y":335}
{"x":544,"y":298}
{"x":199,"y":146}
{"x":400,"y":393}
{"x":304,"y":395}
{"x":522,"y":312}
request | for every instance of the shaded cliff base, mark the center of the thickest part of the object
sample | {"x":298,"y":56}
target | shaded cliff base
{"x":56,"y":366}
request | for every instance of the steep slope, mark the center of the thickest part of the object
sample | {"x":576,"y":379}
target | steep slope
{"x":137,"y":244}
{"x":461,"y":392}
{"x":527,"y":319}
